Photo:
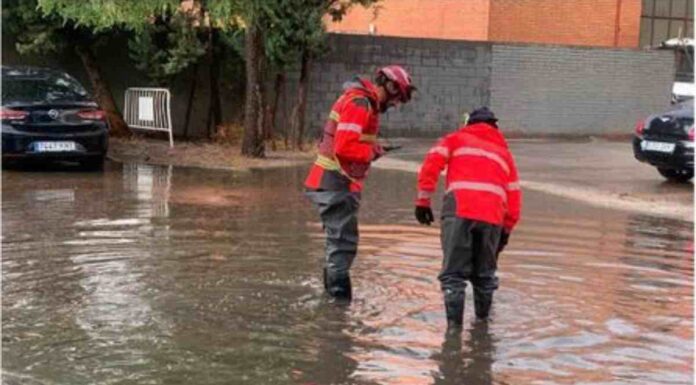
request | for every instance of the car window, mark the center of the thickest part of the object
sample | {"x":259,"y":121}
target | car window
{"x":44,"y":88}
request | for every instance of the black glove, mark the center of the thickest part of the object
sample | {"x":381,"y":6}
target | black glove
{"x":391,"y":148}
{"x":424,"y":215}
{"x":504,"y":238}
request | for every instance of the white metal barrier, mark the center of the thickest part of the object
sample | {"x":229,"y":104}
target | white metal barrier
{"x":149,"y":109}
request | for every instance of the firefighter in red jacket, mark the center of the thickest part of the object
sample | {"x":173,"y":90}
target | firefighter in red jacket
{"x":480,"y":209}
{"x":347,"y":148}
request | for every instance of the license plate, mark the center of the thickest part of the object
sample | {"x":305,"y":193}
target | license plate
{"x":667,"y":148}
{"x":54,"y":146}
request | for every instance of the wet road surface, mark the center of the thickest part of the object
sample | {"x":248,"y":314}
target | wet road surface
{"x":153,"y":275}
{"x":600,"y":172}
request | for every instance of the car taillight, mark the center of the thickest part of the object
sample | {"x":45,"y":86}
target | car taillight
{"x":9,"y":114}
{"x":691,"y":133}
{"x":640,"y":126}
{"x":92,"y":114}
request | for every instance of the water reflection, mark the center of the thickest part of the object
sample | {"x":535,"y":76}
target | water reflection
{"x":156,"y":275}
{"x":472,"y":364}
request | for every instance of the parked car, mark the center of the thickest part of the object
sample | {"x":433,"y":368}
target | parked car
{"x":666,"y":141}
{"x":47,"y":115}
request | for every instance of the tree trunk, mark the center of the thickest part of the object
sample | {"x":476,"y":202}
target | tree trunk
{"x":102,"y":92}
{"x":252,"y":144}
{"x":271,"y":124}
{"x":215,"y":109}
{"x":301,"y":108}
{"x":189,"y":103}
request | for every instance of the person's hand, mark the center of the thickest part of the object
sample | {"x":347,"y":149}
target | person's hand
{"x":424,"y":215}
{"x":378,"y":152}
{"x":504,"y":238}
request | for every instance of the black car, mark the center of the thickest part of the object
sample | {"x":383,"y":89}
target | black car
{"x":666,"y":141}
{"x":47,"y":115}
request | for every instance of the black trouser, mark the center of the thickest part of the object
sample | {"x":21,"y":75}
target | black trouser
{"x":338,"y":211}
{"x":470,"y":254}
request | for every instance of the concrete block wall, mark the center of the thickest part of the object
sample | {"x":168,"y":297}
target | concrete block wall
{"x":535,"y":89}
{"x":451,"y":77}
{"x":570,"y":90}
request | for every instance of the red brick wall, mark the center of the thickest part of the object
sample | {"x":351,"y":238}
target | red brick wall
{"x":439,"y":19}
{"x":571,"y":22}
{"x":576,"y":22}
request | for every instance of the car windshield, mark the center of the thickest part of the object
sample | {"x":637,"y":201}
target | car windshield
{"x":41,"y":88}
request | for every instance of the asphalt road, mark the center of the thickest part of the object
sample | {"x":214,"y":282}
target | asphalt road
{"x":598,"y":172}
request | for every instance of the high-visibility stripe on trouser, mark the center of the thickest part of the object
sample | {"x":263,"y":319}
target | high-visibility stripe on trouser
{"x":338,"y":211}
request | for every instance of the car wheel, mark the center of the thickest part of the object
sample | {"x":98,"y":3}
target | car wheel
{"x":93,"y":164}
{"x":680,"y":176}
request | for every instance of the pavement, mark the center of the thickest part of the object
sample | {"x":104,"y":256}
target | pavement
{"x":598,"y":172}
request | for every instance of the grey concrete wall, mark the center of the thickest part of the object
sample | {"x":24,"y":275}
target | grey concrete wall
{"x":570,"y":90}
{"x":535,"y":89}
{"x":451,"y":76}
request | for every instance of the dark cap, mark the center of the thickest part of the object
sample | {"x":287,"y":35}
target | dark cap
{"x":482,"y":114}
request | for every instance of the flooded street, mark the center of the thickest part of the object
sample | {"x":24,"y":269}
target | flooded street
{"x":154,"y":275}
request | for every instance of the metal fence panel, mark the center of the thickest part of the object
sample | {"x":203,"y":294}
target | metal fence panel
{"x":149,"y":109}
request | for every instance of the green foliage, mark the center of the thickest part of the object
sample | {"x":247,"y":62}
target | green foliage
{"x":34,"y":32}
{"x":336,"y":9}
{"x":104,"y":15}
{"x":166,"y":47}
{"x":294,"y":26}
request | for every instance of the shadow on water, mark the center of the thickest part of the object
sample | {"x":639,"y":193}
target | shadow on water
{"x":154,"y":275}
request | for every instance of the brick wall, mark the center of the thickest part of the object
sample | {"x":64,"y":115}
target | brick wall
{"x":577,"y":22}
{"x":562,"y":90}
{"x":439,"y":19}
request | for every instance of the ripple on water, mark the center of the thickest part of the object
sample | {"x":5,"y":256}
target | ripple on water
{"x":155,"y":276}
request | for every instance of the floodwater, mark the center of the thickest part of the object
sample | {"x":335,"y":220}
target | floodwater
{"x":153,"y":275}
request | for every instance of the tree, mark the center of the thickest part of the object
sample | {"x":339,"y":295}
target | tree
{"x":41,"y":31}
{"x":251,"y":16}
{"x":166,"y":47}
{"x":274,"y":26}
{"x":102,"y":17}
{"x":307,"y":34}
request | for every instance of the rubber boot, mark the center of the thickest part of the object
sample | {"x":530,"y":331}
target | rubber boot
{"x":482,"y":304}
{"x":454,"y":308}
{"x":340,"y":288}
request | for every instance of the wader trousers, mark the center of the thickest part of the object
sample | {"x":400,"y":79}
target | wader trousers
{"x":338,"y":211}
{"x":470,"y":254}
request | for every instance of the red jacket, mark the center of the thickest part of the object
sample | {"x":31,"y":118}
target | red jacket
{"x":348,"y":143}
{"x":482,"y":177}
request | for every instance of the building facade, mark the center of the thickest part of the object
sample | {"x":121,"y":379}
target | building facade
{"x":661,"y":20}
{"x":598,"y":23}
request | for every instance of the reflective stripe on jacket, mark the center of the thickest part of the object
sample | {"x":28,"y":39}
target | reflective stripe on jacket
{"x":347,"y":146}
{"x":481,"y":178}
